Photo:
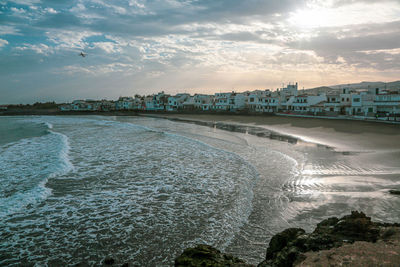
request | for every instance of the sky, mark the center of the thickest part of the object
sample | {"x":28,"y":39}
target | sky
{"x":194,"y":46}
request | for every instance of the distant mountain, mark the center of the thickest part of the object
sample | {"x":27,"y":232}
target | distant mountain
{"x":366,"y":85}
{"x":356,"y":86}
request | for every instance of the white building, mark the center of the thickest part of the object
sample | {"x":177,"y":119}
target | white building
{"x":289,"y":90}
{"x":388,"y":103}
{"x":345,"y":100}
{"x":222,"y":101}
{"x":302,"y":103}
{"x":271,"y":103}
{"x":203,"y":102}
{"x":156,"y":102}
{"x":124,"y":103}
{"x":149,"y":103}
{"x":81,"y":105}
{"x":237,"y":101}
{"x":332,"y":106}
{"x":176,"y":102}
{"x":256,"y":100}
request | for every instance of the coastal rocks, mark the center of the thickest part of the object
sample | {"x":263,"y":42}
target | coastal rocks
{"x":328,"y":234}
{"x":207,"y":256}
{"x":351,"y":239}
{"x":109,"y":261}
{"x":281,"y":249}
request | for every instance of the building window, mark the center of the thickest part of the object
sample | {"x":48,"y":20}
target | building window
{"x":356,"y":100}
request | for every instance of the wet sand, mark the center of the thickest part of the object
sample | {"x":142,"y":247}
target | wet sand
{"x":341,"y":135}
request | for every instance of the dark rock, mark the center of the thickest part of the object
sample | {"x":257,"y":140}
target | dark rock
{"x":204,"y":255}
{"x":281,"y":240}
{"x":388,"y":233}
{"x":287,"y":248}
{"x":356,"y":227}
{"x":394,"y":192}
{"x":125,"y":264}
{"x":109,"y":261}
{"x":325,"y":225}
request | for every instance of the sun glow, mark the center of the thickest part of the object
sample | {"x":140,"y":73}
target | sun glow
{"x":316,"y":16}
{"x":313,"y":18}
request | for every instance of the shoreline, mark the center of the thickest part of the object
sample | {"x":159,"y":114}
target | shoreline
{"x":338,"y":135}
{"x":167,"y":113}
{"x":242,"y":128}
{"x":291,"y":128}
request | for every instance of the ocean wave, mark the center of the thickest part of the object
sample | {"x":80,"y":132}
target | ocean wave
{"x":145,"y":190}
{"x":26,"y":166}
{"x":49,"y":125}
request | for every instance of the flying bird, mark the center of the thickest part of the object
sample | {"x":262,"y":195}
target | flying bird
{"x":83,"y":54}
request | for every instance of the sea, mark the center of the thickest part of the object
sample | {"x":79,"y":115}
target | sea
{"x":77,"y":189}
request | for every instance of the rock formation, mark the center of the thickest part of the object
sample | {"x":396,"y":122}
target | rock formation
{"x":294,"y":246}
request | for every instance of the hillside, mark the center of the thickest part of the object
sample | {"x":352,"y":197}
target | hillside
{"x":356,"y":86}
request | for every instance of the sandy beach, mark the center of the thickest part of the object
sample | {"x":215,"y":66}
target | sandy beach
{"x":342,"y":135}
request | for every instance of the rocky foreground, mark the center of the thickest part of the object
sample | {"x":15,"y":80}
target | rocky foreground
{"x":353,"y":240}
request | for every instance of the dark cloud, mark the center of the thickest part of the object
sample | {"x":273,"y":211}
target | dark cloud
{"x":367,"y":46}
{"x":330,"y":43}
{"x":230,"y":8}
{"x":244,"y":37}
{"x":380,"y":61}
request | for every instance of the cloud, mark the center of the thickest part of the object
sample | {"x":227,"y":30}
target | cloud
{"x":330,"y":43}
{"x":108,"y":47}
{"x":50,"y":10}
{"x":3,"y":42}
{"x":70,"y":39}
{"x":97,"y":70}
{"x":151,"y":43}
{"x":18,"y":11}
{"x":39,"y":49}
{"x":368,"y":46}
{"x":25,"y":2}
{"x":7,"y":29}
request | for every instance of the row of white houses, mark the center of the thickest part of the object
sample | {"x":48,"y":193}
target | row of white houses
{"x":371,"y":102}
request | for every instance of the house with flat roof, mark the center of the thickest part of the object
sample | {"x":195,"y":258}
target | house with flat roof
{"x":388,"y":103}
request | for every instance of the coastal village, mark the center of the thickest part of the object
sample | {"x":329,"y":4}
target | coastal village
{"x":369,"y":103}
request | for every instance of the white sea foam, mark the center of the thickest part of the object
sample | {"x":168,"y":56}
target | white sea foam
{"x":49,"y":125}
{"x":65,"y":161}
{"x":140,"y":186}
{"x":26,"y":166}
